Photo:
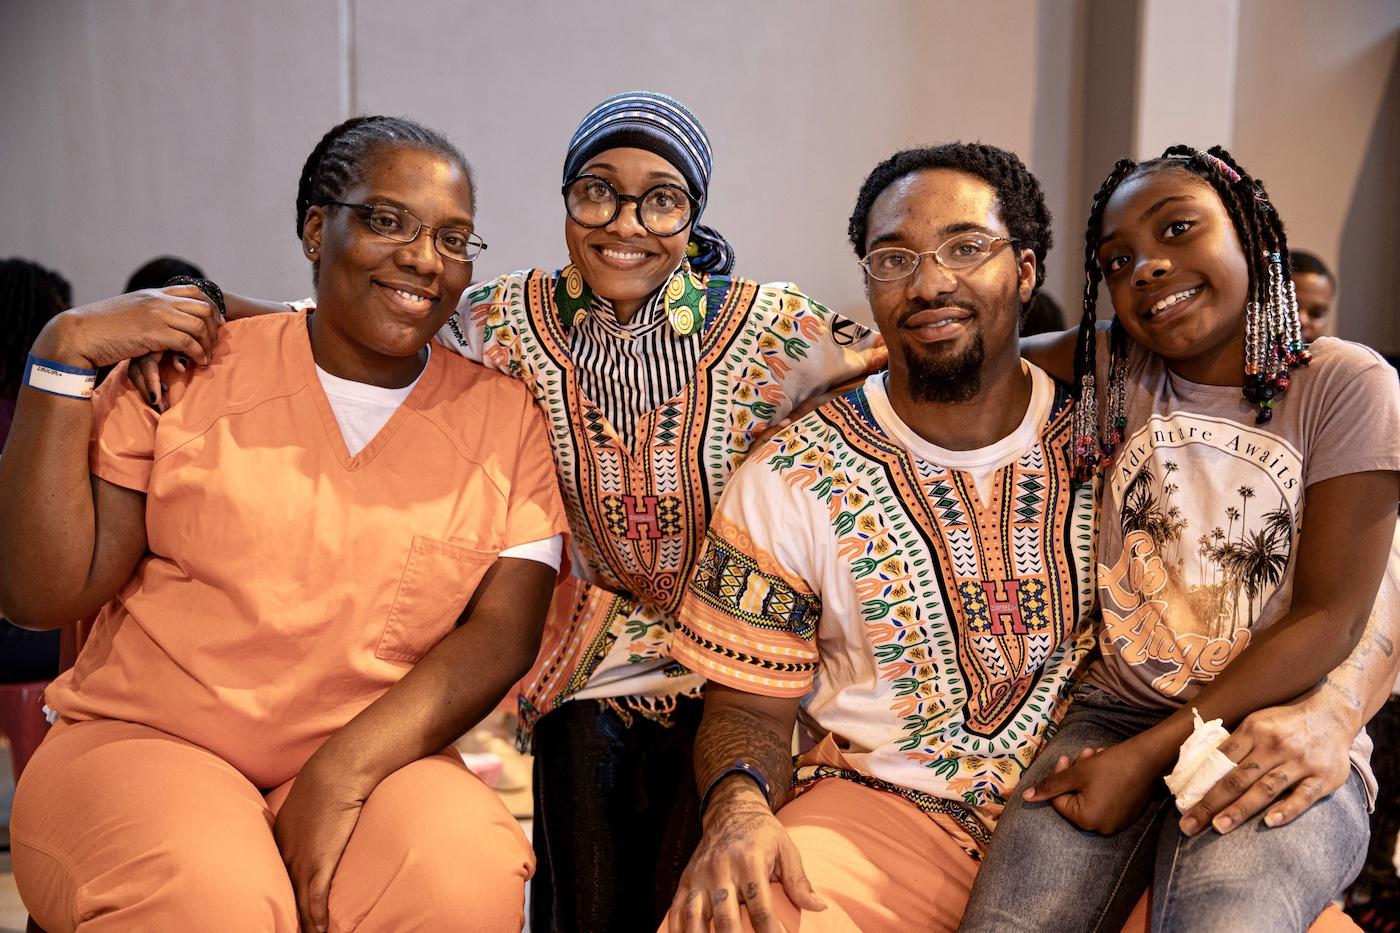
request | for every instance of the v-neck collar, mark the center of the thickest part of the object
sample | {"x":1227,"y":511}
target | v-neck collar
{"x":299,"y":347}
{"x":550,"y":325}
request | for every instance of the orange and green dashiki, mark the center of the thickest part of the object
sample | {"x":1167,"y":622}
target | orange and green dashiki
{"x":639,"y":500}
{"x":930,"y":634}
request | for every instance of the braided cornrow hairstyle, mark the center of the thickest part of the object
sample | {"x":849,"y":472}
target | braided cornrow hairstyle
{"x":30,"y":296}
{"x":338,"y":162}
{"x":1021,"y":202}
{"x":1089,"y":452}
{"x":1273,"y":339}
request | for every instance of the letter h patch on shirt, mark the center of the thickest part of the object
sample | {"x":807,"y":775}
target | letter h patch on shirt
{"x":638,"y":518}
{"x":1004,"y":607}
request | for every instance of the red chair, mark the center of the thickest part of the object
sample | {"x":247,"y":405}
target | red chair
{"x":22,"y":720}
{"x":22,"y":708}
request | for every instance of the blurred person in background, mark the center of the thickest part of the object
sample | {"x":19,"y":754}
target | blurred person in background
{"x":1317,"y":288}
{"x":30,"y":296}
{"x":159,"y":271}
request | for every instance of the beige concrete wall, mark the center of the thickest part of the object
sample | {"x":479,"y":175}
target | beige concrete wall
{"x":1317,"y":116}
{"x":135,"y":127}
{"x":138,"y":127}
{"x":801,"y":98}
{"x":168,"y":126}
{"x":1186,"y":74}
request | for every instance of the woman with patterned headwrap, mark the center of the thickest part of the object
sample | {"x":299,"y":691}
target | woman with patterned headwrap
{"x":656,"y":368}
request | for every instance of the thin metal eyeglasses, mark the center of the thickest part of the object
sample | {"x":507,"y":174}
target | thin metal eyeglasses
{"x":663,"y":210}
{"x":403,"y":226}
{"x":963,"y":251}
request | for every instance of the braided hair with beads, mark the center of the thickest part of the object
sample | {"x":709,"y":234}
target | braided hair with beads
{"x":1019,"y":198}
{"x":338,"y":162}
{"x":30,"y":296}
{"x":1273,"y":335}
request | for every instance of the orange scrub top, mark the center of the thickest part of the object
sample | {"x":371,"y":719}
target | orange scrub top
{"x":288,"y":584}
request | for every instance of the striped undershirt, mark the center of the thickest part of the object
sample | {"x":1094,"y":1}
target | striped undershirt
{"x":629,"y":369}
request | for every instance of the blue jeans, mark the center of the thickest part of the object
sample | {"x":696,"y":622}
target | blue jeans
{"x":1042,"y":873}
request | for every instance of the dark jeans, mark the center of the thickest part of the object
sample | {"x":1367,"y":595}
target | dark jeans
{"x":1042,"y":873}
{"x":616,"y":817}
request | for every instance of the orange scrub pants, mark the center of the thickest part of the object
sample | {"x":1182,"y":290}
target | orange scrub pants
{"x":118,"y":826}
{"x":883,"y":866}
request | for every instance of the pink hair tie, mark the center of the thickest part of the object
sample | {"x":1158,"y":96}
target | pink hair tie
{"x":1220,"y":166}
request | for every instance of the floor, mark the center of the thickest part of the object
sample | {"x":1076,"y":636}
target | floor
{"x":12,"y":912}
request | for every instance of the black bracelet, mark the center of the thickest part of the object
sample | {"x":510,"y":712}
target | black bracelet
{"x":739,"y":766}
{"x":214,"y":292}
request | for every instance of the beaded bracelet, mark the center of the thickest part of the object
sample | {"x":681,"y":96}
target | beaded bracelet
{"x":58,"y":378}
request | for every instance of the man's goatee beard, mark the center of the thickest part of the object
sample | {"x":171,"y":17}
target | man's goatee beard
{"x":945,"y":380}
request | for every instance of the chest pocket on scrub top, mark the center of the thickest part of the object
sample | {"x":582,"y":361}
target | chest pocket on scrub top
{"x":438,"y":581}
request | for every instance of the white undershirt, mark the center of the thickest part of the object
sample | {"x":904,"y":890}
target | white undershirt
{"x":362,"y":410}
{"x":981,"y":463}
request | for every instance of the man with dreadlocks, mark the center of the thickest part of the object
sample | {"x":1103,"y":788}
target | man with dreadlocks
{"x":907,"y":570}
{"x":1217,"y":599}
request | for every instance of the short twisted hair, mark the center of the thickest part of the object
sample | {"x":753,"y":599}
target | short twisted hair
{"x":1019,"y":198}
{"x":1302,"y":262}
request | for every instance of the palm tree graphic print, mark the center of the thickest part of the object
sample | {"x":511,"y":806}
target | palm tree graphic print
{"x":1203,"y":541}
{"x":1233,"y":565}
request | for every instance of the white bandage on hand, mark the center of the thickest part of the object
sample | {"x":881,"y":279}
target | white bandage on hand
{"x":1200,"y":763}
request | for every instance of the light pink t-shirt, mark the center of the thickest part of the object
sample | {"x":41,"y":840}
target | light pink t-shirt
{"x":1202,"y":508}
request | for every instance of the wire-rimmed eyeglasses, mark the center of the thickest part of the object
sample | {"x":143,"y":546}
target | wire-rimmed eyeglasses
{"x":402,"y":225}
{"x":963,"y":251}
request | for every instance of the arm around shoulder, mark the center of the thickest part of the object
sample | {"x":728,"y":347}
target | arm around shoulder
{"x":1054,"y":352}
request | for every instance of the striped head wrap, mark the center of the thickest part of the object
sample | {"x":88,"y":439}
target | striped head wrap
{"x":662,"y":125}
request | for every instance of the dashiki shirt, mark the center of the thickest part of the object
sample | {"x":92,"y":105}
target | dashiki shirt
{"x":639,"y":494}
{"x":1202,"y":508}
{"x":930,"y":623}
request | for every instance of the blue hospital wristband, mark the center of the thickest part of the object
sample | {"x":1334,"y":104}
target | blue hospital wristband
{"x":59,"y":378}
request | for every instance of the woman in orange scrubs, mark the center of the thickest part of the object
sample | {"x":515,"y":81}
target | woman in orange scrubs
{"x":315,"y":569}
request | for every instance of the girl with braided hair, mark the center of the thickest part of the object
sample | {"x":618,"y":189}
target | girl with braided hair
{"x":1211,"y":428}
{"x":315,"y":569}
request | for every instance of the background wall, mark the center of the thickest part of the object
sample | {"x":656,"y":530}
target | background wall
{"x":138,"y":127}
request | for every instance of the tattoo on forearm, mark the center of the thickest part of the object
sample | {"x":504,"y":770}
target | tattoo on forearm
{"x":1385,"y":644}
{"x":728,"y":734}
{"x":1330,"y":683}
{"x":1365,"y":674}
